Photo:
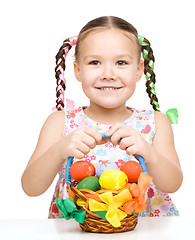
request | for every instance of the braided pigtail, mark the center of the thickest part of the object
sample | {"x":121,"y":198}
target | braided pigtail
{"x":149,"y":71}
{"x":60,"y":68}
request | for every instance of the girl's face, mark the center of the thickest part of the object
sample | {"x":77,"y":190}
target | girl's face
{"x":108,"y":67}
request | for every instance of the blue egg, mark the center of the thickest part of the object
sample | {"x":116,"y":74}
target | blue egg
{"x":104,"y":165}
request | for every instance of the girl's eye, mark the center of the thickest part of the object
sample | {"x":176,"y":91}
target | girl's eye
{"x":121,"y":63}
{"x":94,"y":62}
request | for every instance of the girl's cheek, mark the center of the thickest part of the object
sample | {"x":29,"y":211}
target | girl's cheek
{"x":91,"y":74}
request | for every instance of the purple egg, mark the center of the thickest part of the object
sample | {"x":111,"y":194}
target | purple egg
{"x":104,"y":165}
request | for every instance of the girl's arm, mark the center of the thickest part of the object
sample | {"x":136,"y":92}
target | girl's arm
{"x":163,"y":164}
{"x":51,"y":151}
{"x":46,"y":159}
{"x":161,"y":158}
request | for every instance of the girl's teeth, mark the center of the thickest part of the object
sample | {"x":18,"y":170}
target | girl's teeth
{"x":108,"y":88}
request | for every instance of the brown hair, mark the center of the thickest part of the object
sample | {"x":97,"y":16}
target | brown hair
{"x":108,"y":22}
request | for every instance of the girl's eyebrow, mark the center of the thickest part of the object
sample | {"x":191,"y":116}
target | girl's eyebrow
{"x":124,"y":56}
{"x":91,"y":56}
{"x":121,"y":56}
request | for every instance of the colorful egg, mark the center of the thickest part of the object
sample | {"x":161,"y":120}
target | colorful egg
{"x":81,"y":169}
{"x":132,"y":169}
{"x":113,"y":179}
{"x":103,"y":166}
{"x":91,"y":183}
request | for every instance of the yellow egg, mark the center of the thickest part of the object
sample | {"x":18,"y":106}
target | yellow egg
{"x":113,"y":179}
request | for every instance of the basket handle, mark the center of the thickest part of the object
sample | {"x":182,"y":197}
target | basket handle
{"x":69,"y":163}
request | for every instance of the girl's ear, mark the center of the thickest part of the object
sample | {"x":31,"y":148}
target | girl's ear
{"x":140,"y":70}
{"x":77,"y":71}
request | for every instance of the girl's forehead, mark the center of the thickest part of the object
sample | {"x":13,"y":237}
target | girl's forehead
{"x":103,"y":39}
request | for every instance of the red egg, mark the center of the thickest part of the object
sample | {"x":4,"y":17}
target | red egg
{"x":81,"y":170}
{"x":132,"y":170}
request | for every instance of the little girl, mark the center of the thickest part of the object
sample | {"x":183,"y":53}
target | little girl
{"x":108,"y":64}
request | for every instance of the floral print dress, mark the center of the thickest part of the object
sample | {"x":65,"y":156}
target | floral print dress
{"x":158,"y":203}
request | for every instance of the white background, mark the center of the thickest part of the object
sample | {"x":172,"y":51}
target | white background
{"x":31,"y":34}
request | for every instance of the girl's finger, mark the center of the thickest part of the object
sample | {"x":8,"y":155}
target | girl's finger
{"x":89,"y":141}
{"x":105,"y":140}
{"x":113,"y":129}
{"x":120,"y":134}
{"x":78,"y":154}
{"x":83,"y":148}
{"x":126,"y":142}
{"x":132,"y":150}
{"x":94,"y":133}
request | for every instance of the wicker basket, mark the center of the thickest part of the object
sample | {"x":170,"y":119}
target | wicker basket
{"x":93,"y":222}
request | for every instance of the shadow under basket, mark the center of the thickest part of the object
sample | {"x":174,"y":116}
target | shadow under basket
{"x":96,"y":224}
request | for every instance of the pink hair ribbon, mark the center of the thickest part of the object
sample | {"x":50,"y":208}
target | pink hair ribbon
{"x":69,"y":103}
{"x":73,"y":40}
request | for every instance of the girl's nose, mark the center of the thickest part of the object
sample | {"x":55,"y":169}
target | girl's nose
{"x":108,"y":73}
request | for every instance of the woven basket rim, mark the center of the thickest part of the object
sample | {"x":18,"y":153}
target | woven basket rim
{"x":93,"y":222}
{"x":103,"y":226}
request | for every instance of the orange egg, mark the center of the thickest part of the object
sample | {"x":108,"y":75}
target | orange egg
{"x":132,"y":170}
{"x":81,"y":169}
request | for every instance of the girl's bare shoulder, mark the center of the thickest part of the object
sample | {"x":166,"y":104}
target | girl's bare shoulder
{"x":161,"y":118}
{"x":164,"y":129}
{"x":52,"y":129}
{"x":55,"y":123}
{"x":56,"y":118}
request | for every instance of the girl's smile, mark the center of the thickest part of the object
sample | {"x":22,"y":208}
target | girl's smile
{"x":109,"y":89}
{"x":108,"y":67}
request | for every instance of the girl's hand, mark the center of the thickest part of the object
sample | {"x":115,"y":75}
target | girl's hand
{"x":131,"y":140}
{"x":79,"y":142}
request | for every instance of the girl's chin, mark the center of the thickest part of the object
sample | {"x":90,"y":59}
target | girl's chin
{"x":109,"y":105}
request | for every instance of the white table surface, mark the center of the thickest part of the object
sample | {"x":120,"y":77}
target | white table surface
{"x":173,"y":228}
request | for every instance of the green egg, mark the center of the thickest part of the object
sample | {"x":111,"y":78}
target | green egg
{"x":91,"y":183}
